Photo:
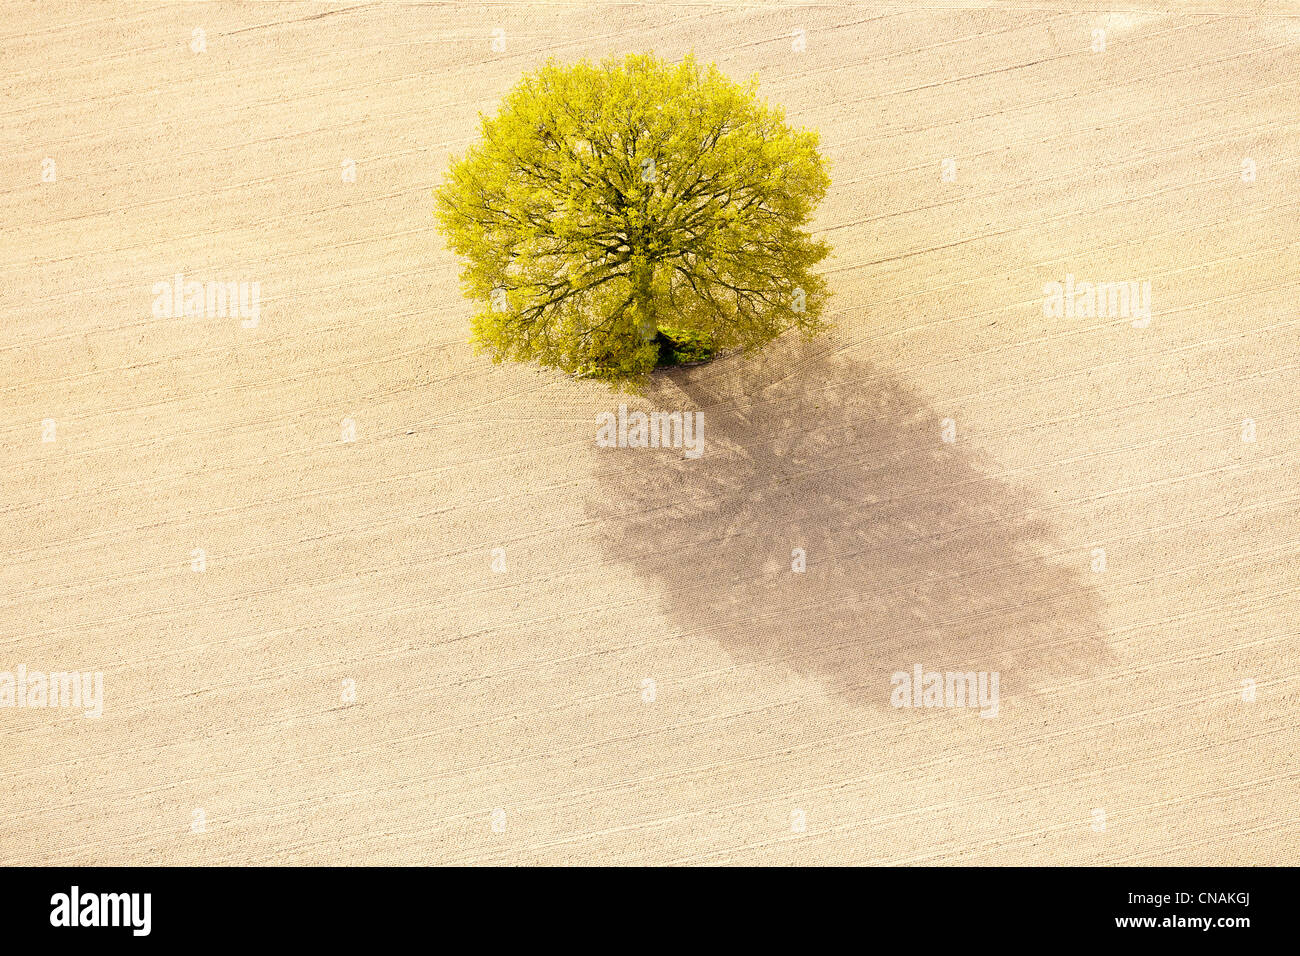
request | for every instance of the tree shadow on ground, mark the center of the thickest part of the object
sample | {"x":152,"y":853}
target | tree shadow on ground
{"x":916,"y":552}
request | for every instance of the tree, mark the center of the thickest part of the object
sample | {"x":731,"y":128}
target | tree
{"x":610,"y":210}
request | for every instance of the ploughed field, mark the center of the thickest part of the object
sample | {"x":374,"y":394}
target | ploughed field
{"x":270,"y":523}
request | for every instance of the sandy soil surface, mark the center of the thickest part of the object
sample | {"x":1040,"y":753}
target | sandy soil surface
{"x":307,"y":656}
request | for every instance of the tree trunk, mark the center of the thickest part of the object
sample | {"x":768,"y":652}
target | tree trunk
{"x":643,"y":299}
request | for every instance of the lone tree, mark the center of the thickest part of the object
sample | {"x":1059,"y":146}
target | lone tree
{"x":625,"y":215}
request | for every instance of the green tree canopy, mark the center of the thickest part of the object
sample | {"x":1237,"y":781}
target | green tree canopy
{"x":605,"y":204}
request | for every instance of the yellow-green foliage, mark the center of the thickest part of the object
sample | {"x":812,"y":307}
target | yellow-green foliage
{"x":603,"y":201}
